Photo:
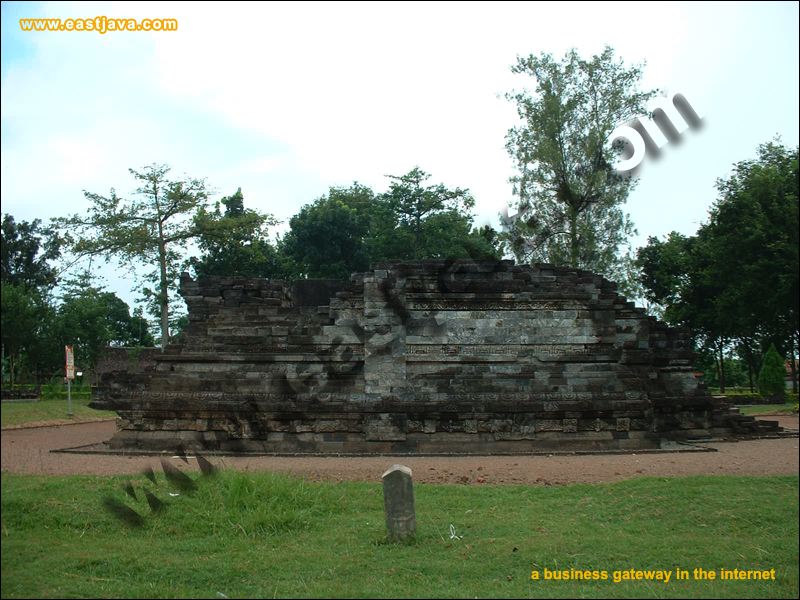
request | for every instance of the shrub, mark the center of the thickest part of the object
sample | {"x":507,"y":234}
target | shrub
{"x":772,"y":375}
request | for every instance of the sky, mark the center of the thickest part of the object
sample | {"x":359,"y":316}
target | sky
{"x":286,"y":100}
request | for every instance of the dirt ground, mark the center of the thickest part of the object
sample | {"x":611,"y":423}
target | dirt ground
{"x":28,"y":451}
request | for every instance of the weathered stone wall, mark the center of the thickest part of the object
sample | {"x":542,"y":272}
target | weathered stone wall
{"x":428,"y":357}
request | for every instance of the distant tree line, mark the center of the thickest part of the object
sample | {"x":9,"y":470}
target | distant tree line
{"x":342,"y":232}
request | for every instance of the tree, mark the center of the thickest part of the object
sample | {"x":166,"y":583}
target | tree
{"x":151,"y":228}
{"x":753,"y":238}
{"x":772,"y":375}
{"x":677,"y":275}
{"x":414,"y":204}
{"x":736,"y":282}
{"x":331,"y":238}
{"x":569,"y":194}
{"x":91,"y":318}
{"x":25,"y":251}
{"x":350,"y":228}
{"x":432,"y":221}
{"x":234,"y":242}
{"x":21,"y":316}
{"x":665,"y":273}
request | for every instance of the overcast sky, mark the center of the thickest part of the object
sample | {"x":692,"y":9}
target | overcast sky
{"x":286,"y":100}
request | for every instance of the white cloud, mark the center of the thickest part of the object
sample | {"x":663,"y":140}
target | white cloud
{"x":286,"y":99}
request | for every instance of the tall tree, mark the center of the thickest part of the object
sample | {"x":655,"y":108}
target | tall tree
{"x":26,"y":251}
{"x":21,"y":317}
{"x":569,"y":193}
{"x":416,"y":205}
{"x":234,"y":241}
{"x":677,"y":274}
{"x":334,"y":236}
{"x":153,"y":227}
{"x":736,"y":282}
{"x":753,"y":237}
{"x":432,"y":221}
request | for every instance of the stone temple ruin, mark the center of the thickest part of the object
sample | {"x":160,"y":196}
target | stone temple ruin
{"x":433,"y":357}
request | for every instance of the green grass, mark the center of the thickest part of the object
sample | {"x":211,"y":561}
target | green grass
{"x":263,"y":535}
{"x":21,"y":413}
{"x":790,"y":408}
{"x":52,"y":390}
{"x":733,"y":393}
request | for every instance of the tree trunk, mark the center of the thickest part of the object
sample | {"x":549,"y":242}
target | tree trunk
{"x":792,"y":364}
{"x":417,"y":235}
{"x":721,"y":369}
{"x":748,"y":351}
{"x":163,"y":295}
{"x":573,"y":238}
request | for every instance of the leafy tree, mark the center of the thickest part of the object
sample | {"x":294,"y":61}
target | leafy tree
{"x":21,"y":317}
{"x":735,"y":370}
{"x":151,"y":228}
{"x":679,"y":274}
{"x":665,"y":273}
{"x":736,"y":282}
{"x":432,"y":221}
{"x":772,"y":375}
{"x":234,"y":242}
{"x":91,"y":318}
{"x":330,"y":238}
{"x":569,"y":193}
{"x":416,"y":205}
{"x":350,"y":228}
{"x":753,"y":241}
{"x":25,"y":252}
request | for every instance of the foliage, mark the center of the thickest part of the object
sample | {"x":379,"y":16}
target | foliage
{"x":752,"y":241}
{"x":735,"y":370}
{"x":665,"y":271}
{"x":150,"y":228}
{"x":333,"y":236}
{"x":735,"y":283}
{"x":234,"y":242}
{"x":35,"y":328}
{"x":25,"y":251}
{"x":773,"y":374}
{"x":433,"y":220}
{"x":90,"y":319}
{"x":24,"y":317}
{"x":28,"y":276}
{"x":569,"y":193}
{"x":348,"y":229}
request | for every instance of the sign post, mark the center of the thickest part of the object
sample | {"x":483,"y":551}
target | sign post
{"x":70,"y":372}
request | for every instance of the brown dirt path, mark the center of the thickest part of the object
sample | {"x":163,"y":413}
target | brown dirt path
{"x":28,"y":451}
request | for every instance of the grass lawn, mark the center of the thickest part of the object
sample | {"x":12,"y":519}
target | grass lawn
{"x":769,"y":409}
{"x":264,"y":535}
{"x":21,"y":413}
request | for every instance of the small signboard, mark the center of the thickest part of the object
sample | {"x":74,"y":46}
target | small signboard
{"x":70,"y":369}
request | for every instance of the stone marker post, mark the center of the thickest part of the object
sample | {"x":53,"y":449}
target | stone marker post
{"x":398,"y":502}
